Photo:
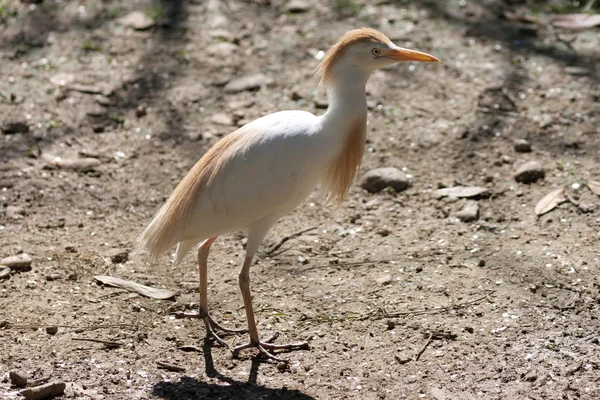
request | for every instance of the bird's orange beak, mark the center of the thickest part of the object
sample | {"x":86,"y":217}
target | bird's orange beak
{"x":400,"y":54}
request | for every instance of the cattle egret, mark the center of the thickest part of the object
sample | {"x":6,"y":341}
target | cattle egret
{"x":254,"y":176}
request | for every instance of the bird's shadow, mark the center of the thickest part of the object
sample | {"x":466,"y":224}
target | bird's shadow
{"x":222,"y":387}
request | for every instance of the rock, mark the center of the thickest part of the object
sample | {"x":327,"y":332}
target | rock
{"x":54,"y":276}
{"x":222,"y":119}
{"x":20,"y":262}
{"x":223,"y":49}
{"x":137,"y":20}
{"x":141,"y":110}
{"x":522,"y":146}
{"x":18,"y":378}
{"x":384,"y":280}
{"x":10,"y":127}
{"x":14,"y":212}
{"x":322,"y":102}
{"x":51,"y":330}
{"x":297,"y":6}
{"x":46,"y":391}
{"x":249,"y":82}
{"x":4,"y":272}
{"x":529,"y":172}
{"x":380,"y":178}
{"x":120,"y":258}
{"x":469,"y":213}
{"x":222,"y":34}
{"x":585,"y":207}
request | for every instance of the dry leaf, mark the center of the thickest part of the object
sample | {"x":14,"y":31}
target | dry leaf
{"x":461,"y":191}
{"x":160,"y":294}
{"x":594,"y":186}
{"x":79,"y":164}
{"x":550,"y":201}
{"x":576,"y":21}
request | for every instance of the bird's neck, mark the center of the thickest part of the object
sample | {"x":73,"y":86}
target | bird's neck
{"x":347,"y":100}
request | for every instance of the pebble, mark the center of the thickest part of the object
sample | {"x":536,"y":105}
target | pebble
{"x":18,"y":378}
{"x":469,"y":213}
{"x":222,"y":49}
{"x":10,"y":127}
{"x":4,"y":272}
{"x":297,"y":6}
{"x":222,"y":34}
{"x":141,"y":110}
{"x":120,"y":257}
{"x":20,"y":262}
{"x":222,"y":119}
{"x":529,"y":172}
{"x":586,"y":207}
{"x":249,"y":82}
{"x":14,"y":212}
{"x":52,"y":330}
{"x":137,"y":20}
{"x":46,"y":391}
{"x":384,"y":280}
{"x":378,"y":179}
{"x":522,"y":146}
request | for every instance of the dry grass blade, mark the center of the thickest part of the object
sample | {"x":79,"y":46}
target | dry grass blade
{"x":461,"y":191}
{"x":160,"y":294}
{"x":576,"y":21}
{"x":550,"y":201}
{"x":594,"y":186}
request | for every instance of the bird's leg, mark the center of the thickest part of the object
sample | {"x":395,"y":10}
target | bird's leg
{"x":255,"y":341}
{"x":209,"y":321}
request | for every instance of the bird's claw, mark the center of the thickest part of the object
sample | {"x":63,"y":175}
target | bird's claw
{"x":265,"y":346}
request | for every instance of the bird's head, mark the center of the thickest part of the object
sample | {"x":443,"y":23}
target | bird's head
{"x":362,"y":51}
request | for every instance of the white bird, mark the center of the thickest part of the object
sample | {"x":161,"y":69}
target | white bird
{"x":254,"y":176}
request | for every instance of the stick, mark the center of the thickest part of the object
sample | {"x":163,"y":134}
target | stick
{"x":104,"y":342}
{"x":170,"y":367}
{"x":420,"y":352}
{"x":286,"y":238}
{"x":387,"y":314}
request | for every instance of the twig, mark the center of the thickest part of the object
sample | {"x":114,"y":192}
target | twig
{"x":383,"y":313}
{"x":107,"y":343}
{"x":420,"y":352}
{"x":79,"y":328}
{"x":170,"y":367}
{"x":286,"y":238}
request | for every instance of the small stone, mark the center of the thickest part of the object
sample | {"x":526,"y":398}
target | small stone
{"x":4,"y":272}
{"x":522,"y":146}
{"x":529,"y":172}
{"x":384,"y":280}
{"x":249,"y":82}
{"x":14,"y":212}
{"x":383,"y":231}
{"x":53,"y":277}
{"x":297,"y":6}
{"x":586,"y":207}
{"x":222,"y":49}
{"x":20,"y":262}
{"x":222,"y":34}
{"x":141,"y":110}
{"x":18,"y":378}
{"x":390,"y":324}
{"x":137,"y":20}
{"x":120,"y":258}
{"x":222,"y":119}
{"x":295,"y":96}
{"x":51,"y":330}
{"x":10,"y":127}
{"x":46,"y":391}
{"x":321,"y":102}
{"x":469,"y":213}
{"x":380,"y":178}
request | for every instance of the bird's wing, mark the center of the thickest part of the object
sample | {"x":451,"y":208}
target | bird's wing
{"x":266,"y":167}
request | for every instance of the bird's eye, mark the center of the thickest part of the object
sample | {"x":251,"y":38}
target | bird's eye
{"x":376,"y":51}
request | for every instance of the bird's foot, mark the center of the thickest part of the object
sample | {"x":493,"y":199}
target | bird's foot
{"x":212,"y":326}
{"x":265,"y":346}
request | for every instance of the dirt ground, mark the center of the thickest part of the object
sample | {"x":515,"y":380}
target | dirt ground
{"x":397,"y":296}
